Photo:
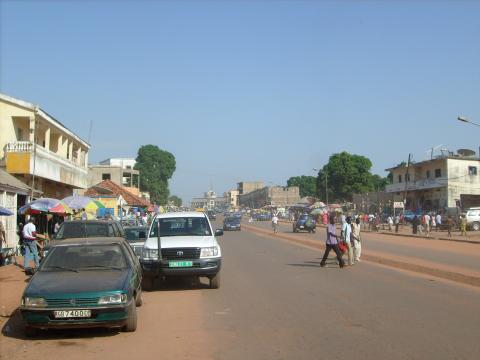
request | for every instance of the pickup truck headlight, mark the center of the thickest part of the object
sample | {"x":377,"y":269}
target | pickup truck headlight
{"x":149,"y":254}
{"x":113,"y":299}
{"x":209,"y":252}
{"x":34,"y":302}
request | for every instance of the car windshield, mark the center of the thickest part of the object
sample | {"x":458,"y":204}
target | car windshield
{"x":135,"y":234}
{"x":181,"y":226}
{"x":84,"y":257}
{"x":82,"y":229}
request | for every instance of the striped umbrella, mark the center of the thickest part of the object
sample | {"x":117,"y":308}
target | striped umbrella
{"x":45,"y":205}
{"x":5,"y":211}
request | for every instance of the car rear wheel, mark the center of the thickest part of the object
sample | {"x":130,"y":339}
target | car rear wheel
{"x":215,"y":281}
{"x":131,"y":324}
{"x":476,"y":226}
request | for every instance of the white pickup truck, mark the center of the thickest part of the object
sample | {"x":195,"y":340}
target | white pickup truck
{"x":188,"y":247}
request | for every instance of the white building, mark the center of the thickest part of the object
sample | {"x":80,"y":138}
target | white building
{"x":436,"y":184}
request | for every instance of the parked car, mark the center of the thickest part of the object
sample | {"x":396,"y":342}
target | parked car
{"x":473,"y":219}
{"x":232,"y":223}
{"x":188,"y":248}
{"x":136,"y":237}
{"x":61,"y":293}
{"x":85,"y":229}
{"x":126,"y":222}
{"x":408,"y":215}
{"x":305,"y":222}
{"x":211,"y":215}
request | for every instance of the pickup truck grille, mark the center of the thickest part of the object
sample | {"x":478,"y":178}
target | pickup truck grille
{"x":181,"y":253}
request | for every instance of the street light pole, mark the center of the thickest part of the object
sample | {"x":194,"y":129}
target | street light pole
{"x":465,"y":120}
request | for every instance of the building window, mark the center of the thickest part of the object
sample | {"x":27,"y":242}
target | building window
{"x":472,"y":170}
{"x":19,"y":134}
{"x":399,"y":178}
{"x":105,"y":176}
{"x":428,"y":174}
{"x":438,"y":173}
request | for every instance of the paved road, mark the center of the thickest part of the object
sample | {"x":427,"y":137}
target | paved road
{"x":275,"y":302}
{"x":454,"y":254}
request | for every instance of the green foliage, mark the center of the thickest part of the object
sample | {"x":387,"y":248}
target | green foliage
{"x":156,"y":167}
{"x":348,"y":174}
{"x":175,"y":200}
{"x":307,"y":185}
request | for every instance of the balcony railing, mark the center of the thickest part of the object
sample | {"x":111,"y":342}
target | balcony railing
{"x":27,"y":147}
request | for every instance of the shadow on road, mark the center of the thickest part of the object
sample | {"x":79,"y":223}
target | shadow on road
{"x":331,"y":263}
{"x":14,"y":328}
{"x":179,"y":284}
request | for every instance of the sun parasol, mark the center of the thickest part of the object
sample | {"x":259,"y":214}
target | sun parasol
{"x":45,"y":205}
{"x":5,"y":211}
{"x":83,"y":202}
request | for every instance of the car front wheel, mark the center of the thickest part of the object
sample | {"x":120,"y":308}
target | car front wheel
{"x":215,"y":281}
{"x":131,"y":324}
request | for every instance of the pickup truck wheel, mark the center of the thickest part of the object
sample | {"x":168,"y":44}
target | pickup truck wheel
{"x":30,"y":332}
{"x":147,"y":283}
{"x":138,"y":298}
{"x":476,"y":226}
{"x":215,"y":281}
{"x":131,"y":325}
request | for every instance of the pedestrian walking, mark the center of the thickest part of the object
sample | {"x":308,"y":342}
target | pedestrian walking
{"x":463,"y":225}
{"x":390,"y":223}
{"x":397,"y":223}
{"x":438,"y":220}
{"x":346,"y":236}
{"x":30,"y":243}
{"x":3,"y":239}
{"x":449,"y":225}
{"x":427,"y":224}
{"x":332,"y":244}
{"x":415,"y":224}
{"x":433,"y":223}
{"x":357,"y":244}
{"x":274,"y":223}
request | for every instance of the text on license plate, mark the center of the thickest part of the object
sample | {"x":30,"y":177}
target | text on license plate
{"x":66,"y":314}
{"x":180,"y":264}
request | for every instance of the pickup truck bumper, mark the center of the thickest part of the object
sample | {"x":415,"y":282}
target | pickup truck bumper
{"x":201,"y":267}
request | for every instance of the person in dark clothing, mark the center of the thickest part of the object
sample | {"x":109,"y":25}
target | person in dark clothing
{"x":332,"y":244}
{"x":415,"y":223}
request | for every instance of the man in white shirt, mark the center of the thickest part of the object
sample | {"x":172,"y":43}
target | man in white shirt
{"x":427,"y":224}
{"x":438,"y":220}
{"x":30,"y":242}
{"x":346,"y":235}
{"x":274,"y":223}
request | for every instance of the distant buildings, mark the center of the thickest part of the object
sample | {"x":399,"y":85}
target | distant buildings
{"x":437,"y":183}
{"x":209,"y":201}
{"x":232,"y":198}
{"x":245,"y":187}
{"x":39,"y":150}
{"x":277,"y":196}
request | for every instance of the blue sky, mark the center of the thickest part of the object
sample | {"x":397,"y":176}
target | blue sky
{"x":249,"y":90}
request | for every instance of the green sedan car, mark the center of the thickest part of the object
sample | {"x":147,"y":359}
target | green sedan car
{"x":89,"y":282}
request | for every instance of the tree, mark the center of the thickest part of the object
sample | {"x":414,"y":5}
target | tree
{"x":156,"y":167}
{"x":307,"y":185}
{"x":346,"y":175}
{"x":175,"y":200}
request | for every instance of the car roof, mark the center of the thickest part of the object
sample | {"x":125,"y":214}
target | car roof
{"x":89,"y":221}
{"x":88,"y":241}
{"x":181,"y":214}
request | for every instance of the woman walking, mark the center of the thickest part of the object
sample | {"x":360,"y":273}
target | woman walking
{"x":332,"y":243}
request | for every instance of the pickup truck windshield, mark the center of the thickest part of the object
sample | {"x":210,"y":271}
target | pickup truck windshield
{"x":181,"y":226}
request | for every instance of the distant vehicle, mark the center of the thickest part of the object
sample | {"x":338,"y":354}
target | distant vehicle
{"x":232,"y":223}
{"x":188,"y":248}
{"x":61,"y":293}
{"x":132,"y":222}
{"x":211,"y":215}
{"x":136,"y":237}
{"x":305,"y":223}
{"x":473,"y":218}
{"x":408,"y":215}
{"x":263,"y":217}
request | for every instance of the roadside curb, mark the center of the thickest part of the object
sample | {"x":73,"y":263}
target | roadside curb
{"x":406,"y":235}
{"x":458,"y":277}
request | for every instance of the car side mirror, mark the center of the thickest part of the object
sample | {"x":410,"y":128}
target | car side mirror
{"x":219,"y":232}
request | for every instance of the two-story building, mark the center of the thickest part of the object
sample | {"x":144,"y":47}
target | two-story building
{"x":39,"y":150}
{"x":437,"y":183}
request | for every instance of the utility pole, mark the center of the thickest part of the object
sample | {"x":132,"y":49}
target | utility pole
{"x":407,"y":178}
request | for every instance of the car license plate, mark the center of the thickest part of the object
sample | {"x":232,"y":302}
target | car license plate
{"x":67,"y":314}
{"x":180,"y":264}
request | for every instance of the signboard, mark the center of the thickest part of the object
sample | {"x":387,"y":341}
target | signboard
{"x":398,"y":204}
